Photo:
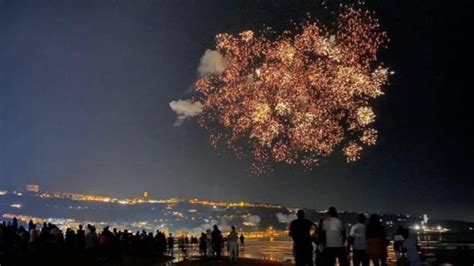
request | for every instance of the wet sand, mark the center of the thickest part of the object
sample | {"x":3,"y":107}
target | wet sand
{"x":225,"y":261}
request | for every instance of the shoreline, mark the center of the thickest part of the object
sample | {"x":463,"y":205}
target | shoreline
{"x":224,"y":261}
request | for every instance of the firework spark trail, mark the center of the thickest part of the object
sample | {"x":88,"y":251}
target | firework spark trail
{"x":300,"y":96}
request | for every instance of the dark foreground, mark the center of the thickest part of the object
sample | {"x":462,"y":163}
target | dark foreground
{"x":79,"y":259}
{"x":457,"y":256}
{"x":129,"y":260}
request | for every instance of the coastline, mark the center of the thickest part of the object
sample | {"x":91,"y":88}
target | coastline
{"x":225,"y":261}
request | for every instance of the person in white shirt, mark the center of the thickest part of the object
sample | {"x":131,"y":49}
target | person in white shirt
{"x":410,"y":246}
{"x":359,"y":242}
{"x":233,"y":242}
{"x":209,"y":250}
{"x":335,"y":237}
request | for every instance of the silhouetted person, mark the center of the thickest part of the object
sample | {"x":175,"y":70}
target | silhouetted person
{"x":242,"y":239}
{"x":70,"y":239}
{"x":217,"y":242}
{"x":91,"y":241}
{"x":398,"y":241}
{"x":202,"y":244}
{"x":182,"y":245}
{"x":80,"y":238}
{"x":335,"y":236}
{"x":15,"y":223}
{"x":23,"y":238}
{"x":161,"y":243}
{"x":105,"y":243}
{"x":125,"y":239}
{"x":115,"y":242}
{"x":56,"y":236}
{"x":233,"y":242}
{"x":186,"y":242}
{"x":300,"y":232}
{"x":170,"y":244}
{"x":30,"y":225}
{"x":376,"y":241}
{"x":359,"y":242}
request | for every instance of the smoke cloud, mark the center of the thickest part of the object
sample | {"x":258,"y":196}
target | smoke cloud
{"x":212,"y":62}
{"x":285,"y":218}
{"x":185,"y":109}
{"x":251,"y":220}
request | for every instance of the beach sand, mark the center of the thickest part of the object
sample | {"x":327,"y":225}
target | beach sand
{"x":225,"y":262}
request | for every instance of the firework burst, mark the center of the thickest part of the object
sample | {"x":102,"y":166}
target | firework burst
{"x":297,"y":97}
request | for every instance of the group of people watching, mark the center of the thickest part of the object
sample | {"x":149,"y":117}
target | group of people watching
{"x":211,"y":243}
{"x":328,"y":241}
{"x":323,"y":243}
{"x":18,"y":240}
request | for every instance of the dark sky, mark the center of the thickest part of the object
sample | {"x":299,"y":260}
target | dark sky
{"x":85,"y":87}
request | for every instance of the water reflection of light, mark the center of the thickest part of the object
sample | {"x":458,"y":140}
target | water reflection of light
{"x":277,"y":251}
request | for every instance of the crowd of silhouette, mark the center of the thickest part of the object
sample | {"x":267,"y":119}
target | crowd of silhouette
{"x":41,"y":244}
{"x":366,"y":242}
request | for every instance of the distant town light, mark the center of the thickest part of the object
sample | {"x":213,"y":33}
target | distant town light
{"x":16,"y":206}
{"x":32,"y":188}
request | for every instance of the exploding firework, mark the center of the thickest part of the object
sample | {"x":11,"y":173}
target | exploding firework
{"x":297,"y":97}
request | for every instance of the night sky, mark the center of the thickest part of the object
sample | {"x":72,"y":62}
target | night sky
{"x":85,"y":88}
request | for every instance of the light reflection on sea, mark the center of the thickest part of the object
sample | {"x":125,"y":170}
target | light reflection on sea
{"x":282,"y":251}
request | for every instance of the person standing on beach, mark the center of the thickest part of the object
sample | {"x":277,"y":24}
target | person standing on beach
{"x":300,"y":232}
{"x":398,"y":242}
{"x":217,"y":240}
{"x":411,"y":248}
{"x":209,"y":243}
{"x":233,"y":242}
{"x":170,"y":244}
{"x":333,"y":230}
{"x":80,"y":238}
{"x":376,"y":241}
{"x":91,"y":241}
{"x":359,"y":242}
{"x":202,"y":245}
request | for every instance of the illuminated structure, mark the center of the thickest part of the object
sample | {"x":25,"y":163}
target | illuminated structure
{"x":32,"y":188}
